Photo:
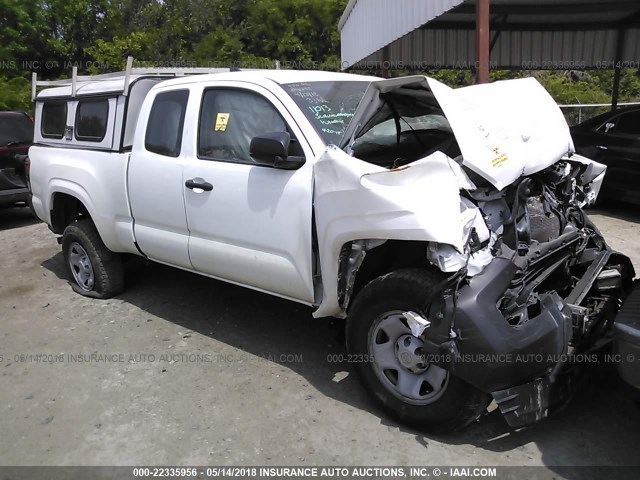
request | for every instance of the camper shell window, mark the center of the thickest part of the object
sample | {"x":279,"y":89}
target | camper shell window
{"x":91,"y":119}
{"x":54,"y":119}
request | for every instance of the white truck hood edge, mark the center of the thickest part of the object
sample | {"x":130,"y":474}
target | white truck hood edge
{"x":504,"y":129}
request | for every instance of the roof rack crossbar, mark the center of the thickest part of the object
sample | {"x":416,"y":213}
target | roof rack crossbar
{"x":126,"y":74}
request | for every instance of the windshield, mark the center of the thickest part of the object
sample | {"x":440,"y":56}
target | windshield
{"x":15,"y":127}
{"x":408,"y":125}
{"x":386,"y":132}
{"x":329,"y":106}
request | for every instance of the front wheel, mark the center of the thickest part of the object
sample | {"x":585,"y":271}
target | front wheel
{"x":95,"y":270}
{"x":419,"y":394}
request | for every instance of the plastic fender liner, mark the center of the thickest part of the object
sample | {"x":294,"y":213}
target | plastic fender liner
{"x":493,"y":354}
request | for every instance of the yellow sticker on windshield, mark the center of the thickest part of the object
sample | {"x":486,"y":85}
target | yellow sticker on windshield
{"x":221,"y":122}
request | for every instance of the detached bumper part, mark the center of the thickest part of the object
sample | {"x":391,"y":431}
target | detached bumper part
{"x":533,"y":401}
{"x":483,"y":331}
{"x":526,"y":368}
{"x":626,"y":338}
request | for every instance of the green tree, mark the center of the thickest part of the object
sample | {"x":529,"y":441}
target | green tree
{"x":21,"y":33}
{"x":15,"y":94}
{"x":113,"y":54}
{"x":302,"y":31}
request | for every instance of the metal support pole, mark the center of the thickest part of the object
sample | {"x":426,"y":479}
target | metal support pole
{"x":618,"y":70}
{"x":384,"y":67}
{"x":616,"y":87}
{"x":482,"y":41}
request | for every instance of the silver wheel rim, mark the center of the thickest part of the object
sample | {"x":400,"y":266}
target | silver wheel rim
{"x":397,"y":362}
{"x":81,"y":267}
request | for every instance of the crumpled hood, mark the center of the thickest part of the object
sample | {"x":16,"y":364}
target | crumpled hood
{"x":504,"y":129}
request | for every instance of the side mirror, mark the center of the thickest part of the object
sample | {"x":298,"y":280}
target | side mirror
{"x":272,"y":149}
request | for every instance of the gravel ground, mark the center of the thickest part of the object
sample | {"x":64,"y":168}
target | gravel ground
{"x":195,"y":371}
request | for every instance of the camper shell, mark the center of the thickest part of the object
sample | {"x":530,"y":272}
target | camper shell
{"x":97,"y":112}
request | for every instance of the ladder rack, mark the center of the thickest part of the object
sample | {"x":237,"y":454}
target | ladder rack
{"x":126,"y":75}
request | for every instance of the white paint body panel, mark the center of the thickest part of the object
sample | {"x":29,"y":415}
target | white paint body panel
{"x":97,"y":179}
{"x":254,"y":227}
{"x":505,"y":129}
{"x":156,"y":194}
{"x":356,"y":200}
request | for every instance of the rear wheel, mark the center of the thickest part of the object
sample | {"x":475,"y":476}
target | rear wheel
{"x":95,"y":270}
{"x":419,"y":394}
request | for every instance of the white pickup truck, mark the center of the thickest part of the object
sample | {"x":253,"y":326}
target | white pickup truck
{"x":446,"y":225}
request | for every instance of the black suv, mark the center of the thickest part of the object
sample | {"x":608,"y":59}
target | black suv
{"x":16,"y":136}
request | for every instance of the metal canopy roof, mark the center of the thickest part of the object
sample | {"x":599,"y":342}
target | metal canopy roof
{"x":527,"y":34}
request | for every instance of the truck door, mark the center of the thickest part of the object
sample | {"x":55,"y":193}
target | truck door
{"x":249,"y":224}
{"x":155,"y":186}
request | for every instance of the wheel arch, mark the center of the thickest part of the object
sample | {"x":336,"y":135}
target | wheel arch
{"x":66,"y":208}
{"x":69,"y":202}
{"x":361,"y":261}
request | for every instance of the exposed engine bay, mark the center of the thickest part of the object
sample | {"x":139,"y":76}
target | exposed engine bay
{"x":554,"y":281}
{"x":527,"y":272}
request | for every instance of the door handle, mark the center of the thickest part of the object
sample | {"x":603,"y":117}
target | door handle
{"x":602,"y":147}
{"x":206,"y":186}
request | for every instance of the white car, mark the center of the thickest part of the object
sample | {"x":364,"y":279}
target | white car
{"x":445,"y":225}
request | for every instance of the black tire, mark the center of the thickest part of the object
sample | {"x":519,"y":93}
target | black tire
{"x":458,"y":403}
{"x":106,"y":266}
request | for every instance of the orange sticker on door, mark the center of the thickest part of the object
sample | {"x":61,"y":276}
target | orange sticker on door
{"x":222,"y":120}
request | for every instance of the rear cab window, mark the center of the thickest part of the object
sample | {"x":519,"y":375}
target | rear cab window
{"x":166,"y":121}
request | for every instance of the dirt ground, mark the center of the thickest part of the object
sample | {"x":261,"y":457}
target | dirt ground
{"x":191,"y":371}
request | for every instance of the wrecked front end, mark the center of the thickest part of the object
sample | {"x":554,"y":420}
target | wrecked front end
{"x":522,"y":328}
{"x":529,"y":287}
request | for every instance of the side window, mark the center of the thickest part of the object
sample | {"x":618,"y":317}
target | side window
{"x":628,"y":124}
{"x":230,"y":118}
{"x":164,"y":130}
{"x":54,"y":119}
{"x":91,"y":119}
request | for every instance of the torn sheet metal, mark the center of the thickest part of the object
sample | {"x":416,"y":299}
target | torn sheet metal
{"x":356,"y":200}
{"x":593,"y":177}
{"x":450,"y":260}
{"x":504,"y":129}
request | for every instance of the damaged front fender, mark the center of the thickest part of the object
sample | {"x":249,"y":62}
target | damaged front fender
{"x":357,"y":200}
